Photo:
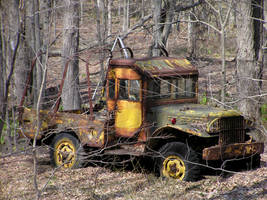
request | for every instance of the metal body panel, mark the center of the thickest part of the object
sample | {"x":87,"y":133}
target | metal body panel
{"x":158,"y":66}
{"x":128,"y":118}
{"x":128,"y":112}
{"x":89,"y":132}
{"x":229,"y":151}
{"x":193,"y":119}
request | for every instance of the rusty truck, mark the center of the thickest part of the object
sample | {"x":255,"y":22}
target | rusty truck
{"x":149,"y":108}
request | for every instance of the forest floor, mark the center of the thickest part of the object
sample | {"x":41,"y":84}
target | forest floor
{"x":103,"y":183}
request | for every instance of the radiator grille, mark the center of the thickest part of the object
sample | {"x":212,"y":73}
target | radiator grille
{"x":231,"y":130}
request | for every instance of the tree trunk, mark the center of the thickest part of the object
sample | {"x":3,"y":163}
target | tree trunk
{"x":70,"y":97}
{"x":154,"y":49}
{"x":126,"y":11}
{"x":110,"y":17}
{"x":265,"y":38}
{"x":248,"y":67}
{"x":191,"y":42}
{"x":101,"y":35}
{"x":223,"y":67}
{"x":163,"y":17}
{"x":23,"y":62}
{"x":2,"y":88}
{"x":38,"y":70}
{"x":10,"y":40}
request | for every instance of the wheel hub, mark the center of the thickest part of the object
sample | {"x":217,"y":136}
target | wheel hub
{"x":65,"y":154}
{"x":174,"y":167}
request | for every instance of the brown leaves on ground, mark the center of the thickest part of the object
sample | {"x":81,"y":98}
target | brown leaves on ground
{"x":16,"y":182}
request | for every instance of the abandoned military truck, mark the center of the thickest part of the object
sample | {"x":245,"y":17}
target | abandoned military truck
{"x":149,"y":108}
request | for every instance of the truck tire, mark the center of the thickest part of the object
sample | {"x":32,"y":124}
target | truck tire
{"x":254,"y":162}
{"x":66,"y":151}
{"x":178,"y":161}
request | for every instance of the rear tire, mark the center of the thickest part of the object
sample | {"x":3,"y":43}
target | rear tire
{"x":66,"y":151}
{"x":178,"y":161}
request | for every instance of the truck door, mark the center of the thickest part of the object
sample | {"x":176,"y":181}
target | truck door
{"x":128,"y":117}
{"x":124,"y":99}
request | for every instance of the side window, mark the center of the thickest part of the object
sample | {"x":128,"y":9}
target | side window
{"x":165,"y":88}
{"x":123,"y":89}
{"x":153,"y":89}
{"x":189,"y":92}
{"x":129,"y":90}
{"x":111,"y":88}
{"x":186,"y":87}
{"x":135,"y":88}
{"x":178,"y":87}
{"x":181,"y":87}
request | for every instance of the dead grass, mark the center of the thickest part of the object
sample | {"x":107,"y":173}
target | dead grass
{"x":16,"y":182}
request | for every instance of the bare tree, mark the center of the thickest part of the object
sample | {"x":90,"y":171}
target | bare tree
{"x":249,"y":65}
{"x":2,"y":88}
{"x":10,"y":40}
{"x":191,"y":41}
{"x":163,"y":14}
{"x":70,"y":97}
{"x":265,"y":36}
{"x":109,"y":24}
{"x":154,"y":49}
{"x":101,"y":33}
{"x":223,"y":20}
{"x":126,"y":13}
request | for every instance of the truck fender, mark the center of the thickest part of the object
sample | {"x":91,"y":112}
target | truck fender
{"x":167,"y":134}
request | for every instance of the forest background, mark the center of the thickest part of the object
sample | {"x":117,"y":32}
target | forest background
{"x":225,"y":39}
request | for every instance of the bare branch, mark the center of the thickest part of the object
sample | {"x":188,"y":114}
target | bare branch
{"x":184,"y":8}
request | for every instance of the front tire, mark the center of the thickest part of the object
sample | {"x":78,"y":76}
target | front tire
{"x":178,"y":161}
{"x":66,"y":151}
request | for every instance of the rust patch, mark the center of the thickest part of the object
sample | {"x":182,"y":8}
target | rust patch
{"x":232,"y":151}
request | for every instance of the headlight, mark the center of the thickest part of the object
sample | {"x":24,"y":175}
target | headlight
{"x":213,"y":126}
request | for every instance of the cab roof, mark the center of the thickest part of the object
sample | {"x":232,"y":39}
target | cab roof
{"x":157,"y":66}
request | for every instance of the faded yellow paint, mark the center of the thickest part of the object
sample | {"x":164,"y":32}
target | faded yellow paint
{"x":173,"y":167}
{"x":190,"y":112}
{"x":225,"y":113}
{"x":65,"y":153}
{"x":59,"y":121}
{"x":183,"y":63}
{"x":187,"y":61}
{"x":190,"y":131}
{"x":44,"y":125}
{"x":169,"y":63}
{"x":112,"y":74}
{"x":128,"y":117}
{"x":126,"y":73}
{"x":101,"y":137}
{"x":210,"y":124}
{"x":232,"y":151}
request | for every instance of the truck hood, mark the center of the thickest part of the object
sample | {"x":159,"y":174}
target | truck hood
{"x":193,"y":118}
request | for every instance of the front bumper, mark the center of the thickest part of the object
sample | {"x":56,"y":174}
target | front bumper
{"x":230,"y":151}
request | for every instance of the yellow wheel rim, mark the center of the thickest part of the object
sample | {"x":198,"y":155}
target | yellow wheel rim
{"x":65,"y":153}
{"x":173,"y":167}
